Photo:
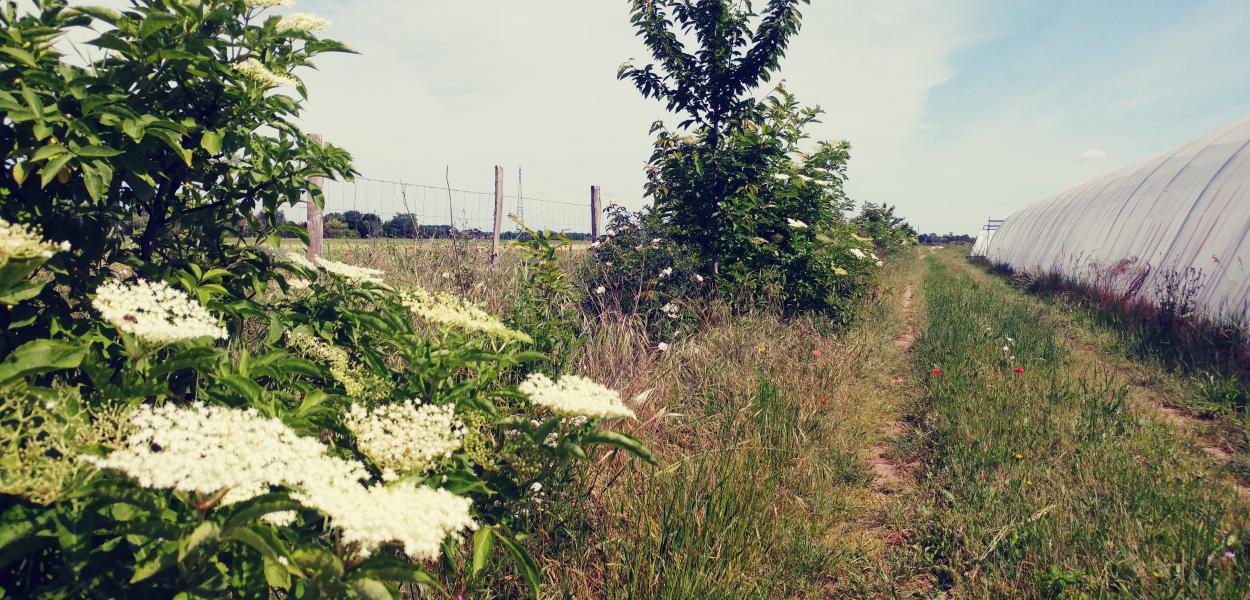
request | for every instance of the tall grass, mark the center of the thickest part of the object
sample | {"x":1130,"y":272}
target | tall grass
{"x":1045,"y":483}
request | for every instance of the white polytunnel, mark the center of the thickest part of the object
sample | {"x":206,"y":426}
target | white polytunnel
{"x":1178,"y":220}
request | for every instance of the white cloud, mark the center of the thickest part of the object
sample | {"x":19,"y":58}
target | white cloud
{"x":1092,"y":154}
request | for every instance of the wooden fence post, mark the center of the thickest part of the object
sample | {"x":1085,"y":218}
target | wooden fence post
{"x":595,"y":212}
{"x":494,"y":244}
{"x":315,"y":229}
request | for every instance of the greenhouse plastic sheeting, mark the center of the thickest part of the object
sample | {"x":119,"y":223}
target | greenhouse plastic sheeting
{"x":982,"y":245}
{"x":1177,"y":217}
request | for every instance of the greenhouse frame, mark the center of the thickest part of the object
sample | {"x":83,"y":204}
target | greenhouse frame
{"x":1177,"y":223}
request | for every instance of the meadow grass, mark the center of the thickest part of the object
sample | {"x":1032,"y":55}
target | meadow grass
{"x":1052,"y":482}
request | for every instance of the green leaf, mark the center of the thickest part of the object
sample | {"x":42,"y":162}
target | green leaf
{"x":483,"y":543}
{"x":166,"y":556}
{"x":20,"y":172}
{"x":24,"y":291}
{"x":102,"y":13}
{"x":155,"y":22}
{"x":46,"y":152}
{"x":22,"y":56}
{"x":211,"y":142}
{"x":524,"y":562}
{"x":620,"y":440}
{"x":206,"y":533}
{"x":53,"y":168}
{"x":372,"y":589}
{"x":246,"y":388}
{"x":41,"y":356}
{"x":324,"y":567}
{"x":265,"y":543}
{"x":96,"y":151}
{"x":390,"y":568}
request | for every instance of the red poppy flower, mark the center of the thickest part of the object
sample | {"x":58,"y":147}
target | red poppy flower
{"x":937,"y":371}
{"x":1019,"y":371}
{"x":824,"y":400}
{"x":816,"y":353}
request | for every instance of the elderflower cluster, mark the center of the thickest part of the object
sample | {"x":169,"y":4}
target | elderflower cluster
{"x":350,"y":272}
{"x":268,"y":3}
{"x":20,"y":242}
{"x":449,"y":311}
{"x":405,"y":437}
{"x":361,"y":385}
{"x":795,"y":223}
{"x":258,"y":72}
{"x":155,"y":312}
{"x":301,"y":23}
{"x":574,"y":396}
{"x":417,"y":517}
{"x":208,"y":450}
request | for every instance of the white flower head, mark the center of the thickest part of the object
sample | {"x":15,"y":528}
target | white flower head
{"x":573,"y":395}
{"x":22,"y":242}
{"x":666,"y":272}
{"x":781,"y":177}
{"x":301,"y":23}
{"x":670,"y":310}
{"x":268,"y":3}
{"x":662,"y":347}
{"x":155,"y":312}
{"x":351,"y":272}
{"x":795,"y":223}
{"x":857,"y":253}
{"x":698,"y":278}
{"x":405,"y":437}
{"x":600,"y":290}
{"x":452,"y":312}
{"x":258,"y":72}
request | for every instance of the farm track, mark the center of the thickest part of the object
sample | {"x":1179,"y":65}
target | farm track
{"x":1153,"y":394}
{"x":1052,"y":465}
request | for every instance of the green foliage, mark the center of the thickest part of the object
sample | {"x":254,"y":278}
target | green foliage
{"x":546,"y":306}
{"x":888,"y":232}
{"x":169,"y":161}
{"x":759,"y":214}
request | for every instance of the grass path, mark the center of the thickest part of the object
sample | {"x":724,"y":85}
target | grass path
{"x":1046,"y":467}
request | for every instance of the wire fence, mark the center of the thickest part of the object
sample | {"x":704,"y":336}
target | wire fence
{"x":428,"y":205}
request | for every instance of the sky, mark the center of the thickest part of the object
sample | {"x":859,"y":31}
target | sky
{"x":956,"y":110}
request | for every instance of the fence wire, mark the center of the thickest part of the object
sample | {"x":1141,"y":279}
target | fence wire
{"x":466,"y":210}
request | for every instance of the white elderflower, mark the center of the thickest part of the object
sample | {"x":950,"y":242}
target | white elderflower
{"x":822,"y":182}
{"x":858,"y":253}
{"x":781,"y":177}
{"x":258,"y":72}
{"x":301,"y":23}
{"x":350,"y":272}
{"x":21,"y":242}
{"x":268,"y":3}
{"x":405,"y":437}
{"x":449,"y":311}
{"x":208,"y":449}
{"x":795,"y":223}
{"x":155,"y":312}
{"x":573,"y":396}
{"x":417,"y":517}
{"x":803,"y":178}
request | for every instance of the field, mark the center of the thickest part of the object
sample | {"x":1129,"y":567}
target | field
{"x":796,"y":461}
{"x":754,"y":386}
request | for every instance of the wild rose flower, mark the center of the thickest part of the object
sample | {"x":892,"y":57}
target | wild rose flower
{"x":816,"y":353}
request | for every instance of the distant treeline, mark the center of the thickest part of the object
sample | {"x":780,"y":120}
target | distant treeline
{"x":948,"y":238}
{"x":356,"y":224}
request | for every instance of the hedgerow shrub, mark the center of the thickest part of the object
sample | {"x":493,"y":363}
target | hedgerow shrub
{"x":759,"y":214}
{"x":187,"y":409}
